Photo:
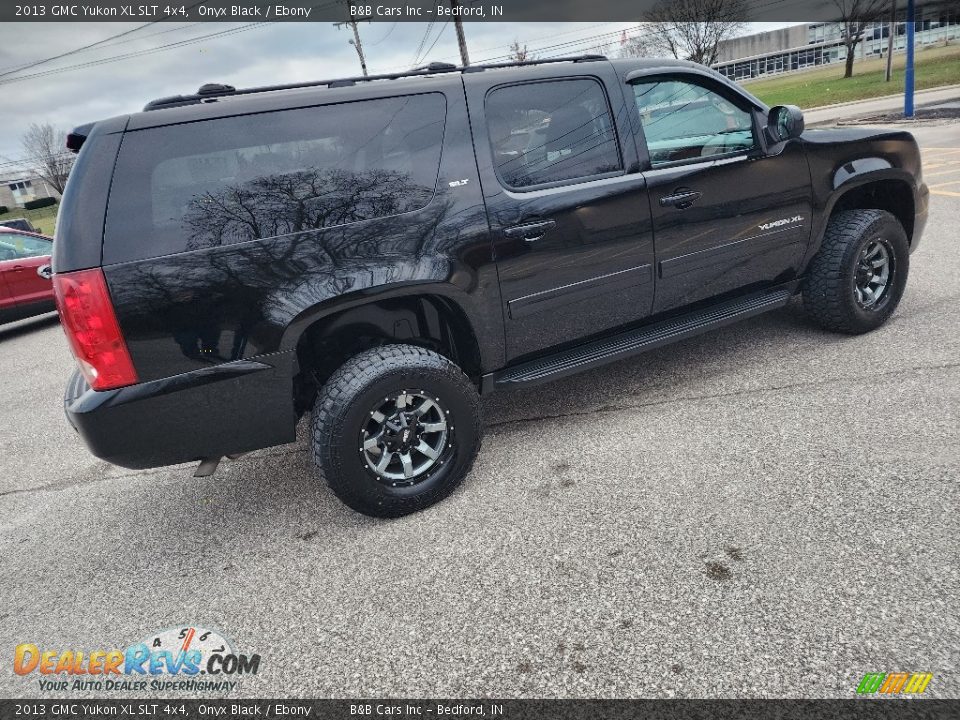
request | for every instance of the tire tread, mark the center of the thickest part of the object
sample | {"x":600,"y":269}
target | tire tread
{"x":334,"y":400}
{"x":824,"y":288}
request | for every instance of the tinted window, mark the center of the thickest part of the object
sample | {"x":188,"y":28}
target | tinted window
{"x":683,"y":121}
{"x":551,"y":131}
{"x":223,"y":181}
{"x":18,"y":247}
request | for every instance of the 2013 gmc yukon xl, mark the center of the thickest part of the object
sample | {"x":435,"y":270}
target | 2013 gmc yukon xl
{"x":380,"y":251}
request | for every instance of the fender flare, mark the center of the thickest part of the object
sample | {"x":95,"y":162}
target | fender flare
{"x":483,"y":337}
{"x":855,"y":174}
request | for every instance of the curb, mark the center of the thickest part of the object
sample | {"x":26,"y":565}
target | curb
{"x":881,"y":97}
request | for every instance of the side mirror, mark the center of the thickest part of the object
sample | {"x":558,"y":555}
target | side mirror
{"x":785,"y":122}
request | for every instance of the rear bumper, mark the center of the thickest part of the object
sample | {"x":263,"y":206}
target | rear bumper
{"x":221,"y":410}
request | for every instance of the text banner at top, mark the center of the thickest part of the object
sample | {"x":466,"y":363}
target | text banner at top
{"x":407,"y":11}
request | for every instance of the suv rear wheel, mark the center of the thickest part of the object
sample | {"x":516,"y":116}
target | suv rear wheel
{"x":856,"y":280}
{"x":395,"y":430}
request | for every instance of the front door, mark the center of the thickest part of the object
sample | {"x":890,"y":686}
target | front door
{"x":26,"y":269}
{"x":727,"y":216}
{"x":574,"y":246}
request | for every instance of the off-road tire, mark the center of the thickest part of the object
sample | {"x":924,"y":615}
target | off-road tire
{"x":829,"y":289}
{"x":343,"y":406}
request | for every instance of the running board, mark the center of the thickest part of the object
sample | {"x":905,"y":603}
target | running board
{"x":633,"y":342}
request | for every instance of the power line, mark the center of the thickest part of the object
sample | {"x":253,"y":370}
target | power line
{"x":423,"y":40}
{"x":186,"y":26}
{"x":98,"y":43}
{"x":439,"y":34}
{"x":426,"y":53}
{"x":586,"y":41}
{"x":24,"y":162}
{"x":150,"y":51}
{"x":388,"y":34}
{"x":77,"y":50}
{"x":138,"y":53}
{"x":534,"y":39}
{"x":566,"y":47}
{"x":225,"y":33}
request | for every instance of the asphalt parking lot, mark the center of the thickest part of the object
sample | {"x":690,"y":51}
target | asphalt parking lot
{"x":767,"y":510}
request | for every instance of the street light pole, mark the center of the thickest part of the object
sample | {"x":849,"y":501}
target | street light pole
{"x":356,"y":43}
{"x":352,"y":22}
{"x":908,"y":76}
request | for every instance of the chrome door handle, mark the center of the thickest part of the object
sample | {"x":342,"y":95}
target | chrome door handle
{"x":681,"y":199}
{"x":531,"y":232}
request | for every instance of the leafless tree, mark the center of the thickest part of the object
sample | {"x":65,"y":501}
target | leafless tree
{"x":638,"y":46}
{"x":520,"y":54}
{"x":690,"y":29}
{"x":286,"y":203}
{"x":45,"y":149}
{"x":855,"y":16}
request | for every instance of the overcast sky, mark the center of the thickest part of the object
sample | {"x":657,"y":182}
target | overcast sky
{"x":244,"y":55}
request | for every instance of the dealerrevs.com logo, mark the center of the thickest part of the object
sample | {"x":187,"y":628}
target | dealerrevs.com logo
{"x":185,"y":658}
{"x":898,"y":683}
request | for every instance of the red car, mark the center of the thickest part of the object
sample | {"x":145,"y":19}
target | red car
{"x":25,"y":286}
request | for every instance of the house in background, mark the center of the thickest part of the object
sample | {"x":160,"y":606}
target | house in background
{"x":23,"y":187}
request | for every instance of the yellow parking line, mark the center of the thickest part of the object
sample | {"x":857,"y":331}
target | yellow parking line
{"x":939,"y":185}
{"x":948,"y":151}
{"x":945,"y":192}
{"x":942,"y":172}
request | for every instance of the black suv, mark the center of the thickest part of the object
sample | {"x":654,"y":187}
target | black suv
{"x":382,"y":250}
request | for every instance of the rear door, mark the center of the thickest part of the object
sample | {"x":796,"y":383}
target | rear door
{"x":727,"y":215}
{"x":572,"y":229}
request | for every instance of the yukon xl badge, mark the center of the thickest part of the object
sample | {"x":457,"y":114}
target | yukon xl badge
{"x":782,"y":221}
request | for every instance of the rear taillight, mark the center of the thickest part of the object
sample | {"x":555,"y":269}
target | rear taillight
{"x":92,"y":329}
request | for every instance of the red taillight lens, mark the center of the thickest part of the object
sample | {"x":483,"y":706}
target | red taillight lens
{"x":87,"y":316}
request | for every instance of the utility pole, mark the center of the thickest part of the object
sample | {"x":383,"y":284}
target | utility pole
{"x":352,"y":22}
{"x":890,"y":40}
{"x":461,"y":39}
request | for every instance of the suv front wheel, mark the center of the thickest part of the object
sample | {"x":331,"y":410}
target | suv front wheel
{"x":856,"y":280}
{"x":395,"y":430}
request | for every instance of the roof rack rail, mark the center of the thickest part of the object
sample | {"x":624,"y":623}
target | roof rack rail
{"x":522,"y":63}
{"x":211,"y":91}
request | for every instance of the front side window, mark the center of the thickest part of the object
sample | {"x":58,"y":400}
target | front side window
{"x":549,"y":132}
{"x":19,"y":247}
{"x":684,"y":121}
{"x":229,"y":180}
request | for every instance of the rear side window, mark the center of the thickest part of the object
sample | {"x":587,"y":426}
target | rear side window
{"x":229,"y":180}
{"x":550,"y":132}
